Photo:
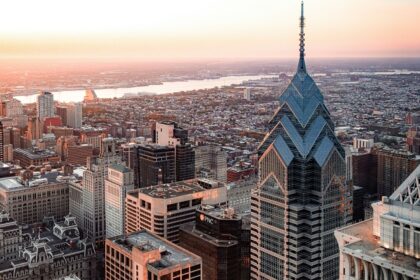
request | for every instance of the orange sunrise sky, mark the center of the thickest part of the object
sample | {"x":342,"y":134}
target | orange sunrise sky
{"x":187,"y":29}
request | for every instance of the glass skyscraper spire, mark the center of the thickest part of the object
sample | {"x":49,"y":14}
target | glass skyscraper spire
{"x":303,"y":193}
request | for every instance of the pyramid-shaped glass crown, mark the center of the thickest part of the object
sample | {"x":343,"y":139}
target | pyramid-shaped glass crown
{"x":302,"y":127}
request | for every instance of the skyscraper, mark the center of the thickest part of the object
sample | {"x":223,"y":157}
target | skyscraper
{"x":120,"y":180}
{"x":94,"y":191}
{"x":71,"y":114}
{"x":302,"y":193}
{"x":45,"y":105}
{"x":156,"y":164}
{"x":169,"y":133}
{"x":74,"y":115}
{"x":164,"y":208}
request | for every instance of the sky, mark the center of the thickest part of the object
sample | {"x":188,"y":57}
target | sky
{"x":197,"y":29}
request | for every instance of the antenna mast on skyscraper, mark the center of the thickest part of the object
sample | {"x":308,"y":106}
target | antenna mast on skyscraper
{"x":302,"y":66}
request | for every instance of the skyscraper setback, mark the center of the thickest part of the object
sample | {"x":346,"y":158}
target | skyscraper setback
{"x":302,"y":193}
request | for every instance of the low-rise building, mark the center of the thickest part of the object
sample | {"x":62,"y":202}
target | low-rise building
{"x":32,"y":196}
{"x":35,"y":157}
{"x":52,"y":253}
{"x":10,"y":237}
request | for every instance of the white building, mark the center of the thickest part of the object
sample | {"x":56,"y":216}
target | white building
{"x":74,"y":115}
{"x":45,"y":105}
{"x":363,"y":143}
{"x":93,"y":197}
{"x":247,"y":94}
{"x":120,"y":180}
{"x":387,"y":246}
{"x":170,"y":134}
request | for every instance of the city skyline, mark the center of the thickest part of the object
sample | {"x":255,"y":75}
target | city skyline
{"x":127,"y":156}
{"x":191,"y":30}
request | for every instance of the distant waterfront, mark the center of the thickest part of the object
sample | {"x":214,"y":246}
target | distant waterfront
{"x":164,"y":88}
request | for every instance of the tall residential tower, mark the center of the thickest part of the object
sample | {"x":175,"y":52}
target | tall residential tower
{"x":302,"y":193}
{"x":45,"y":105}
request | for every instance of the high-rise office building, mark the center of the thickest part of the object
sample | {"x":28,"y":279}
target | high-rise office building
{"x":162,"y":209}
{"x":45,"y":105}
{"x":302,"y":193}
{"x":143,"y":255}
{"x":93,"y":182}
{"x":71,"y":114}
{"x":129,"y":156}
{"x":217,"y":238}
{"x":61,"y":111}
{"x":120,"y":180}
{"x":211,"y":162}
{"x":393,"y":166}
{"x":169,"y":133}
{"x":184,"y":162}
{"x":156,"y":164}
{"x":75,"y":115}
{"x":387,"y":246}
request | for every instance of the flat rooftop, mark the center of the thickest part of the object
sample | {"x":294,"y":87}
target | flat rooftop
{"x":181,"y":188}
{"x":218,"y":242}
{"x":219,"y":213}
{"x":120,"y":167}
{"x":171,"y":254}
{"x":15,"y":183}
{"x":35,"y":153}
{"x":369,"y":246}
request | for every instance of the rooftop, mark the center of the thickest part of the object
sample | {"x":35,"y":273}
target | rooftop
{"x":35,"y":153}
{"x":219,"y":213}
{"x":176,"y":189}
{"x":120,"y":167}
{"x":43,"y":235}
{"x":226,"y":241}
{"x":16,"y":183}
{"x":368,"y":245}
{"x":145,"y":241}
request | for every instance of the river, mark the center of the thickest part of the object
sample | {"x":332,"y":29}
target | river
{"x":164,"y":88}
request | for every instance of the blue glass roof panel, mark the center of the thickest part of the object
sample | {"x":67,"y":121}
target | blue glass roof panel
{"x":283,"y":150}
{"x":323,"y":151}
